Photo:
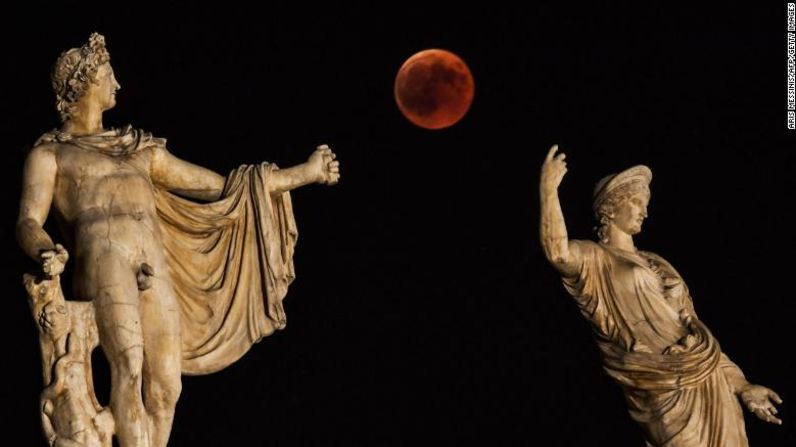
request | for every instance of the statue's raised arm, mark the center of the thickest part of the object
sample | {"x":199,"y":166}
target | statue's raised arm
{"x":564,"y":256}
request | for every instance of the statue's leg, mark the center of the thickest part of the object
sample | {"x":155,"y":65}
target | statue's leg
{"x":111,"y":284}
{"x":162,"y":369}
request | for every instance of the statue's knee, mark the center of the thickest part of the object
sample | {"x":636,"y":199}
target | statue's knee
{"x":162,"y":396}
{"x":129,"y":364}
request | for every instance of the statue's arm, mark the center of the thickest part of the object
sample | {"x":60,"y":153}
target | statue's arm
{"x":733,"y":374}
{"x":38,"y":186}
{"x":185,"y":178}
{"x":562,"y":254}
{"x":196,"y":182}
{"x":321,"y":167}
{"x":757,"y":398}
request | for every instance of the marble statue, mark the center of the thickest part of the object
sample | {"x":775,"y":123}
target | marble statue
{"x":679,"y":386}
{"x":178,"y":270}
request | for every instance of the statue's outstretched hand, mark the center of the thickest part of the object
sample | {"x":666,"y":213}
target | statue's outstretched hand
{"x":324,"y":167}
{"x":760,"y":401}
{"x":553,"y":170}
{"x":53,"y":261}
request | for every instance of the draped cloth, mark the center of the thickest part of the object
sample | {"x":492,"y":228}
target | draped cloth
{"x":672,"y":371}
{"x":230,"y":261}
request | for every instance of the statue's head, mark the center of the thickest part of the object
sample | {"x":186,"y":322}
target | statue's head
{"x":84,"y":75}
{"x":621,"y":200}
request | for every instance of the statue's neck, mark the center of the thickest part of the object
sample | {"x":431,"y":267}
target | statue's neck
{"x":86,"y":120}
{"x":621,"y":240}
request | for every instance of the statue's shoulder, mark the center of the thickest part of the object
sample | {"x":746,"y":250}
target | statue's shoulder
{"x":142,"y":134}
{"x":145,"y":139}
{"x":44,"y":147}
{"x":587,"y":250}
{"x":49,"y":145}
{"x":47,"y":141}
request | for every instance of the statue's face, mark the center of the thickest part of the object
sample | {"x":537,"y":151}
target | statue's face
{"x":630,"y":214}
{"x":104,"y":89}
{"x":57,"y":319}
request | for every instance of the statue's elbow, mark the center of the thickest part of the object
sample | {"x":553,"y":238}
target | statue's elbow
{"x":24,"y":227}
{"x":214,"y":195}
{"x":29,"y":235}
{"x":555,"y":256}
{"x":563,"y":263}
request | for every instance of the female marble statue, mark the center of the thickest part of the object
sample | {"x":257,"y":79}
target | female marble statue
{"x":679,"y":386}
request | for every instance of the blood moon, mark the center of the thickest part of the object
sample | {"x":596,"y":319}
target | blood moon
{"x":434,"y":89}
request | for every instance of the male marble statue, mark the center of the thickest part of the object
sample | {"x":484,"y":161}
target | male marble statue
{"x":174,"y":286}
{"x":678,"y":384}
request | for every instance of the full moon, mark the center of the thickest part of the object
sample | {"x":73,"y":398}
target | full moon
{"x":434,"y":89}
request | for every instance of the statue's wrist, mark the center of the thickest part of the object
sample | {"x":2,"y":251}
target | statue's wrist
{"x":318,"y":177}
{"x":741,"y":387}
{"x":44,"y":248}
{"x":311,"y":174}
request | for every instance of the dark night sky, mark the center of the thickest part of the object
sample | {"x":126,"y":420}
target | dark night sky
{"x":424,"y":310}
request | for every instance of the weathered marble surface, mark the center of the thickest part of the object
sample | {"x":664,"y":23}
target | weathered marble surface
{"x":679,"y":386}
{"x":180,"y":269}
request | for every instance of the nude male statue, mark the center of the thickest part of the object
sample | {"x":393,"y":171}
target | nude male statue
{"x":104,"y":194}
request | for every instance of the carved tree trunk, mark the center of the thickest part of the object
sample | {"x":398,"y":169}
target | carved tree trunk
{"x":70,"y":412}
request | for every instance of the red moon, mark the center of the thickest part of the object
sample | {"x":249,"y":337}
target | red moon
{"x":434,"y":89}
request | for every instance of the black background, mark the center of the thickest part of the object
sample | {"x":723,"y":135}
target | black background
{"x":424,"y":310}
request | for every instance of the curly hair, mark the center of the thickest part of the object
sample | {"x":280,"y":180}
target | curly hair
{"x":74,"y":70}
{"x":604,"y":212}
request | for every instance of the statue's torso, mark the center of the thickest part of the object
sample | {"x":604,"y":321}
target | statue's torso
{"x":636,"y":301}
{"x":108,"y":204}
{"x":650,"y":310}
{"x":91,"y":184}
